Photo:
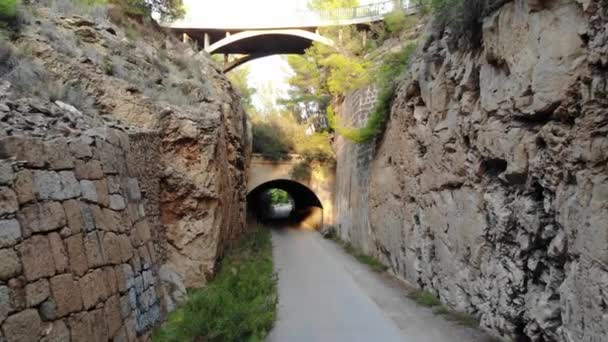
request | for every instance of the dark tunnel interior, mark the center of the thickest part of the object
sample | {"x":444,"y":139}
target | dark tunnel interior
{"x":307,"y":210}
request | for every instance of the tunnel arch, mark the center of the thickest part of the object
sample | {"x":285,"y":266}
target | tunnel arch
{"x":307,"y":207}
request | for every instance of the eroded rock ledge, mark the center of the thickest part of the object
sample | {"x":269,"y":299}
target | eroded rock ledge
{"x":490,"y":187}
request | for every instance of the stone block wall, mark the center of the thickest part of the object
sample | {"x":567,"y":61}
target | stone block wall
{"x":76,"y":246}
{"x":353,"y":172}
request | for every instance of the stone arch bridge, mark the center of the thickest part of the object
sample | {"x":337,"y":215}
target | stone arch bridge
{"x":313,"y":193}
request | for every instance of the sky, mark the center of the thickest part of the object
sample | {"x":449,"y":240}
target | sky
{"x":269,"y":71}
{"x":264,"y":72}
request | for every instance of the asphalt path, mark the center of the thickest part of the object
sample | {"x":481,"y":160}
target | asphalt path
{"x":326,"y":295}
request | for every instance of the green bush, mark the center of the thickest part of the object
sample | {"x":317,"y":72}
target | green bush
{"x":278,"y":196}
{"x":270,"y":140}
{"x":8,"y":9}
{"x":301,"y":170}
{"x":395,"y":20}
{"x":238,"y":305}
{"x":276,"y":136}
{"x":392,"y":67}
{"x":346,"y":73}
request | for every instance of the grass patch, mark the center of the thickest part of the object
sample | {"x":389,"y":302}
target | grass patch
{"x":425,"y":298}
{"x":363,"y":258}
{"x":461,"y":318}
{"x":238,"y":305}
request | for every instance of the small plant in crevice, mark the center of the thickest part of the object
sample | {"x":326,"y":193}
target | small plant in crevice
{"x":373,"y":263}
{"x":301,"y":170}
{"x":8,"y":10}
{"x":426,"y":298}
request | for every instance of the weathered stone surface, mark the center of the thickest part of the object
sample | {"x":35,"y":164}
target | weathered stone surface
{"x":93,"y":288}
{"x":24,"y":326}
{"x":99,"y":218}
{"x":126,"y":249}
{"x":67,"y":294}
{"x":8,"y":201}
{"x":24,"y":186}
{"x":101,"y":188}
{"x":10,"y":233}
{"x":58,"y":155}
{"x":125,"y":306}
{"x":88,"y":326}
{"x":77,"y":255}
{"x":10,"y":265}
{"x":37,"y":258}
{"x":114,"y":186}
{"x":124,"y":277}
{"x":111,"y":281}
{"x":37,"y":292}
{"x":133,"y":192}
{"x":41,"y":217}
{"x":6,"y":172}
{"x":5,"y":302}
{"x":48,"y":310}
{"x":56,"y":332}
{"x":50,"y":185}
{"x":111,"y":248}
{"x":117,"y":202}
{"x":121,"y":335}
{"x":29,"y":150}
{"x":144,"y":255}
{"x":99,"y":325}
{"x":113,"y":317}
{"x":92,"y":245}
{"x":73,"y":213}
{"x":89,"y":192}
{"x":88,"y":170}
{"x":60,"y":256}
{"x":81,"y":148}
{"x":141,"y":233}
{"x":18,"y":300}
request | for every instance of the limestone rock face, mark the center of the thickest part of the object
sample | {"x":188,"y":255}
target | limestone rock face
{"x":489,"y":186}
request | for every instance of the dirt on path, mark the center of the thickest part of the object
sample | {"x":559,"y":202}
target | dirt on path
{"x":326,"y":295}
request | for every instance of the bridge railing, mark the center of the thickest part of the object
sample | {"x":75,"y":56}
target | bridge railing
{"x":372,"y":11}
{"x":299,"y":18}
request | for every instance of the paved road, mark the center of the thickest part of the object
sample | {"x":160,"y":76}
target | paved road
{"x":326,"y":295}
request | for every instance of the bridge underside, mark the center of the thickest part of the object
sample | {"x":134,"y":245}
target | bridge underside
{"x":267,"y":43}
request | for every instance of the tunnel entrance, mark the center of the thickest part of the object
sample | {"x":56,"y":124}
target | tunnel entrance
{"x":284,"y":202}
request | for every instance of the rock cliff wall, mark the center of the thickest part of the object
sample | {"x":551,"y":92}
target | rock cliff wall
{"x":489,"y":187}
{"x":131,"y":135}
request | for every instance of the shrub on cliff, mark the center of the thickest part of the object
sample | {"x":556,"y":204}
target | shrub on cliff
{"x":8,"y":9}
{"x":276,"y":136}
{"x":392,"y":66}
